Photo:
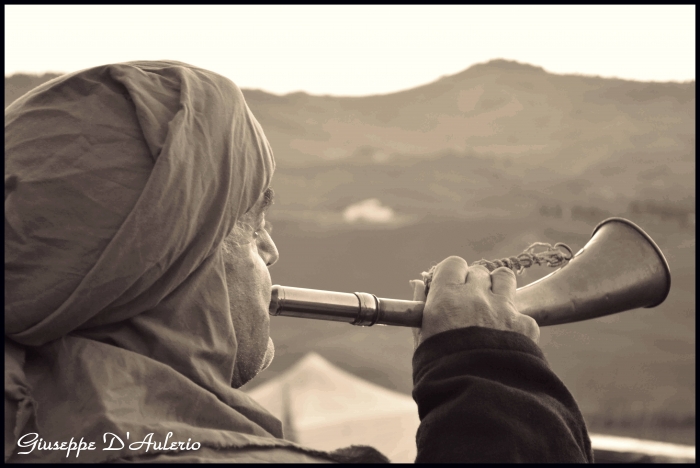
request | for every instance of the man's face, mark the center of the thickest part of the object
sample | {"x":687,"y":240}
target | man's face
{"x":248,"y":252}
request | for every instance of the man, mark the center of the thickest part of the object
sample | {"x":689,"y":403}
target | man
{"x":137,"y":291}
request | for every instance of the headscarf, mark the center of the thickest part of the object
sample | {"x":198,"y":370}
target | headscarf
{"x":117,"y":318}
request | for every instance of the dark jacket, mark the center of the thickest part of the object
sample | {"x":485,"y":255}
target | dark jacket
{"x":487,"y":395}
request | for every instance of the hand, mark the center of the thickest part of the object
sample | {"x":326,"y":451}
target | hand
{"x":462,"y":296}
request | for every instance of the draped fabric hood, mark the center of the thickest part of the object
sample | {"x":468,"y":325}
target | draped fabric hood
{"x":117,"y":317}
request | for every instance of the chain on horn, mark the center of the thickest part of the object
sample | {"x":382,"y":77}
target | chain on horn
{"x":552,"y":257}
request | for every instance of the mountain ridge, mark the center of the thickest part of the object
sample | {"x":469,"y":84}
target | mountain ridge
{"x":628,"y":140}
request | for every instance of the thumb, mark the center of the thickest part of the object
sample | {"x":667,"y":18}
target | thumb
{"x":418,"y":295}
{"x":418,"y":287}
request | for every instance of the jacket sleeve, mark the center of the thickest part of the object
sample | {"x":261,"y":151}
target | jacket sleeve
{"x":488,"y":395}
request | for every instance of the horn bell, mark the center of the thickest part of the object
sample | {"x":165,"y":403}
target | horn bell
{"x":620,"y":268}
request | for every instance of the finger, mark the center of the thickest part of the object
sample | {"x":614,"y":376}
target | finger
{"x":418,"y":287}
{"x":451,"y":271}
{"x":478,"y":279}
{"x":529,"y":328}
{"x":503,"y":282}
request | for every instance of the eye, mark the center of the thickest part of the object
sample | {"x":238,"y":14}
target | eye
{"x":266,"y":226}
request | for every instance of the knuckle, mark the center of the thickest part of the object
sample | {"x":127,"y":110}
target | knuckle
{"x":448,"y":301}
{"x":504,"y":302}
{"x":479,"y":268}
{"x":480,"y":302}
{"x":481,"y":306}
{"x":454,"y":259}
{"x":503,"y":271}
{"x":530,"y":327}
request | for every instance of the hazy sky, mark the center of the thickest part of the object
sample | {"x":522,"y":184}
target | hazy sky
{"x":356,"y":50}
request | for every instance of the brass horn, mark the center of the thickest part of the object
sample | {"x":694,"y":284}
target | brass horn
{"x":620,"y":268}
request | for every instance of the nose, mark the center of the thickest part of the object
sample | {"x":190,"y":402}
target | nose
{"x":267,"y":249}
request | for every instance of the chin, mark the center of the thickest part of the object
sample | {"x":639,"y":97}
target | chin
{"x":246,"y":371}
{"x":269,"y":355}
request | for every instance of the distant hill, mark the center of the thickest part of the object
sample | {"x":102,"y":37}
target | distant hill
{"x":499,"y":108}
{"x":571,"y":138}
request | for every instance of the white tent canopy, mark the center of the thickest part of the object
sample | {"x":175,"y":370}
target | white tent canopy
{"x":326,"y":408}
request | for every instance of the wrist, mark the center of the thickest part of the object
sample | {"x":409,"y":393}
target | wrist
{"x":466,"y":339}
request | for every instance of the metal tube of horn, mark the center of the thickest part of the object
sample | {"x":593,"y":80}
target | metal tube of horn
{"x":620,"y":268}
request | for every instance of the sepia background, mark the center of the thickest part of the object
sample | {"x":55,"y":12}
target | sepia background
{"x":376,"y":187}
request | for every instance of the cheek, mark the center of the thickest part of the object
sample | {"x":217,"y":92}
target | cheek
{"x":242,"y":262}
{"x":248,"y":282}
{"x":254,"y":274}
